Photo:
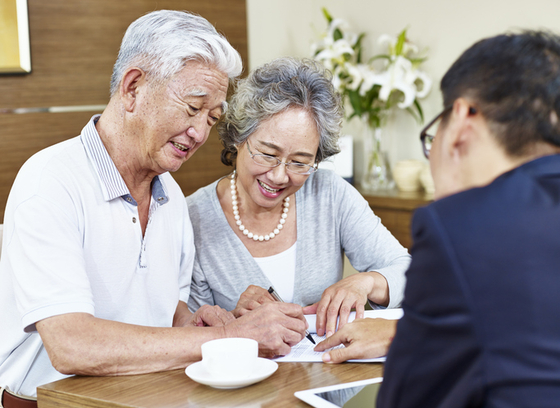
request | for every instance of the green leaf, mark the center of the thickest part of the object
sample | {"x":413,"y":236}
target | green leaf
{"x":327,"y":15}
{"x":400,"y":42}
{"x":355,"y":101}
{"x":418,"y":61}
{"x":337,"y":35}
{"x":420,"y":111}
{"x":359,"y":41}
{"x":358,"y":48}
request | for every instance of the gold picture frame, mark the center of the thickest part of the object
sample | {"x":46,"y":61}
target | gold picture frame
{"x":15,"y":55}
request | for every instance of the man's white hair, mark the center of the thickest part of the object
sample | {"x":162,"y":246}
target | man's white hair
{"x":161,"y":42}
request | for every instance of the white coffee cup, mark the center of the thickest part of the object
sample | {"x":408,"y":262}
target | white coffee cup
{"x":230,"y":358}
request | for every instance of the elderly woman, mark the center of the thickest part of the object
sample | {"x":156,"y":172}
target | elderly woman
{"x":277,"y":220}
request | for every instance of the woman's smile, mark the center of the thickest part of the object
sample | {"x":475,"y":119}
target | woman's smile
{"x":269,"y":191}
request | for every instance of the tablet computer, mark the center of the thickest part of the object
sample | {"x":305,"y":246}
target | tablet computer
{"x":346,"y":395}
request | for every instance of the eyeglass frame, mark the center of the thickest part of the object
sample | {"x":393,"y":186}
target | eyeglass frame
{"x":424,"y":133}
{"x":312,"y":168}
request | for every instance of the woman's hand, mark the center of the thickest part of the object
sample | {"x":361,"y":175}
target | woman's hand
{"x":349,"y":293}
{"x":252,"y":298}
{"x":363,"y":338}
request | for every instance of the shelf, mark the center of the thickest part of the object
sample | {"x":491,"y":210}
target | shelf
{"x":395,"y":208}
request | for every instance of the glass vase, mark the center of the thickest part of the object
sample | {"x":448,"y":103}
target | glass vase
{"x":377,"y":173}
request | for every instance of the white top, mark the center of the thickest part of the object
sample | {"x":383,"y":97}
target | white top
{"x":280,"y":269}
{"x":73,"y":243}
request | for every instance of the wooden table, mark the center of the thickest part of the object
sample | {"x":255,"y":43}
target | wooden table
{"x":175,"y":389}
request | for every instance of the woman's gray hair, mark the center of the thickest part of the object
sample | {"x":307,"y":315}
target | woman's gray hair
{"x":161,"y":42}
{"x":274,"y":87}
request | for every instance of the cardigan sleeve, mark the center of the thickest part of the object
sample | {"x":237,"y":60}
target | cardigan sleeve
{"x":368,"y":244}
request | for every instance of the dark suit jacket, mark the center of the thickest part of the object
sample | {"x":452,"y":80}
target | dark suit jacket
{"x":481,"y":325}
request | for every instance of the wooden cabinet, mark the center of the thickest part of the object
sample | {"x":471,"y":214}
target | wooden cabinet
{"x":395,"y":208}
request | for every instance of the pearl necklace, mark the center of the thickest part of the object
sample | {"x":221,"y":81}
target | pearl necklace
{"x":246,"y":232}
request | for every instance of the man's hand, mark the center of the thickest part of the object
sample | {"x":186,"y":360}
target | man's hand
{"x":204,"y":316}
{"x":251,"y":299}
{"x":211,"y":316}
{"x":276,"y":326}
{"x":363,"y":338}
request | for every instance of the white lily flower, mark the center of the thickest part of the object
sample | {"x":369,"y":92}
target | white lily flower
{"x":399,"y":79}
{"x":356,"y":74}
{"x":426,"y":84}
{"x":396,"y":73}
{"x":408,"y":48}
{"x":371,"y":79}
{"x":387,"y":39}
{"x":337,"y":82}
{"x":352,"y":38}
{"x":336,"y":51}
{"x":336,"y":23}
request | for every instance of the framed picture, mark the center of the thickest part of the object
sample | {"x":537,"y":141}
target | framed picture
{"x":15,"y":56}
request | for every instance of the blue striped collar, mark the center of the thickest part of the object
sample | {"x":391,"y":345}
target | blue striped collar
{"x":111,"y":181}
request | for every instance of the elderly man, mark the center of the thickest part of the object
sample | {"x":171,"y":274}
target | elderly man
{"x":98,"y":249}
{"x":480,"y":325}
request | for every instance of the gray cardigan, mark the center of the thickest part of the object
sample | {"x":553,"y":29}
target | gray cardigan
{"x":332,"y":219}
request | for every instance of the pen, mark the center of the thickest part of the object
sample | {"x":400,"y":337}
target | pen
{"x":277,"y":297}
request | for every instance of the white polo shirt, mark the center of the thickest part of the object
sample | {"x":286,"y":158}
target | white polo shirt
{"x":73,"y":243}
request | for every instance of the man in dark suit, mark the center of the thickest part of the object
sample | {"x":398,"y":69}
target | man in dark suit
{"x":482,"y":301}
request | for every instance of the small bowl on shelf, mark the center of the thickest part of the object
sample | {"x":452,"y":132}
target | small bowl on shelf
{"x":407,"y":175}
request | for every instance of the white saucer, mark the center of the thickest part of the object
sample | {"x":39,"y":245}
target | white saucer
{"x":264,"y":368}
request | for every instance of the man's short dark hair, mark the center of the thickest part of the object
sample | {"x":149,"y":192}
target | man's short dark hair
{"x":514,"y":80}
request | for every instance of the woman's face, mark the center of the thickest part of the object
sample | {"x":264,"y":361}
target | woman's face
{"x":291,"y":136}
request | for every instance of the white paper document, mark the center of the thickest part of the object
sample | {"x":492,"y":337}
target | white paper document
{"x":303,"y":351}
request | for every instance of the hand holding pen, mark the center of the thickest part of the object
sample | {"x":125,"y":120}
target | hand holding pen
{"x":277,"y":297}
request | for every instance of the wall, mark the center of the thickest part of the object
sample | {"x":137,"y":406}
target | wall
{"x":287,"y":27}
{"x":74,"y":45}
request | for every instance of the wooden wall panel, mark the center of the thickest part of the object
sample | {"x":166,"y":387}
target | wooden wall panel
{"x":74,"y":45}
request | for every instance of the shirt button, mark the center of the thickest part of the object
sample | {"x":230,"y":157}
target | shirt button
{"x":160,"y":199}
{"x":134,"y":220}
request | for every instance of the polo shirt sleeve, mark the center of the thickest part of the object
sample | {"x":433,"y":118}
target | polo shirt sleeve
{"x":46,"y":258}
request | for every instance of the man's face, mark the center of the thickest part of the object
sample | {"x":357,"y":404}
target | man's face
{"x":174,"y":119}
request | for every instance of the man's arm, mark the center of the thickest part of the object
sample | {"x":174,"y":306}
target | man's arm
{"x":78,"y":343}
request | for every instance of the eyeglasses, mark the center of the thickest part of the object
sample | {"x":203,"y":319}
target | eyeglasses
{"x":429,"y":132}
{"x":266,"y":160}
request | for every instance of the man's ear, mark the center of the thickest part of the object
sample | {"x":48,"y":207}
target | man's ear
{"x":462,"y":127}
{"x":129,"y":87}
